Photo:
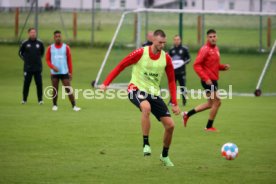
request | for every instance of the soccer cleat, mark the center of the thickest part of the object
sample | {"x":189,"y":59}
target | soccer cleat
{"x":75,"y":108}
{"x":41,"y":102}
{"x":166,"y":161}
{"x":55,"y":108}
{"x":185,"y":118}
{"x":212,"y":129}
{"x":23,"y":102}
{"x":147,"y":150}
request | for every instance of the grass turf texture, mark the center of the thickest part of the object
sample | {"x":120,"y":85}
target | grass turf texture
{"x":102,"y":143}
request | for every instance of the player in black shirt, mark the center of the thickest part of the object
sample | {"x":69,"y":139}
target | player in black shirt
{"x":31,"y":51}
{"x":149,"y":39}
{"x":180,"y":57}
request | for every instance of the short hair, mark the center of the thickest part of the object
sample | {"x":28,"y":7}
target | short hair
{"x":159,"y":32}
{"x":57,"y":32}
{"x":211,"y":31}
{"x":30,"y":29}
{"x":177,"y":35}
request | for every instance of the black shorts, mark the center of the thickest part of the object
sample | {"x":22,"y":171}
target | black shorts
{"x":210,"y":88}
{"x":60,"y":76}
{"x":158,"y":107}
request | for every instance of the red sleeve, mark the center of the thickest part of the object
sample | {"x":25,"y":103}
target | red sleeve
{"x":221,"y":67}
{"x":171,"y":80}
{"x":69,"y":59}
{"x":199,"y":62}
{"x":131,"y":59}
{"x":48,"y":58}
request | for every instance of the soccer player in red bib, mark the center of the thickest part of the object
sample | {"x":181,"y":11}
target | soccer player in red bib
{"x":207,"y":66}
{"x":149,"y":64}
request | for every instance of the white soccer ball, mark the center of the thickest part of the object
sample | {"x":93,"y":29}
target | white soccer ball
{"x":229,"y":151}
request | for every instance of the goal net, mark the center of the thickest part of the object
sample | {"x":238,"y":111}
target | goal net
{"x":244,"y":39}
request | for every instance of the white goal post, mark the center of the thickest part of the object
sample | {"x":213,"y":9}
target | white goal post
{"x":258,"y":91}
{"x":170,"y":11}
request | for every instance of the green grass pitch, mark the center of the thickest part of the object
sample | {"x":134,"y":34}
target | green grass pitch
{"x":103,"y":144}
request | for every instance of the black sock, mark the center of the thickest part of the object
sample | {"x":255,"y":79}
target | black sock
{"x":145,"y":140}
{"x":191,"y":112}
{"x":73,"y":103}
{"x":184,"y":101}
{"x":165,"y":152}
{"x":210,"y":123}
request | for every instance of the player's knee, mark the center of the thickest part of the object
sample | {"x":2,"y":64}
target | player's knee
{"x":146,"y":110}
{"x":209,"y":104}
{"x":170,"y":126}
{"x":217,"y":103}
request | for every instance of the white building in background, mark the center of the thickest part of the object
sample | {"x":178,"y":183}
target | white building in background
{"x":75,"y":4}
{"x":100,"y":4}
{"x":220,"y":5}
{"x":23,"y":3}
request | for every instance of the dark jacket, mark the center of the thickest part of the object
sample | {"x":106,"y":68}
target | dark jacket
{"x":147,"y":43}
{"x":180,"y":53}
{"x":31,"y":52}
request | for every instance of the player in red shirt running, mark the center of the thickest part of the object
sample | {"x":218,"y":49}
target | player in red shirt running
{"x":149,"y":64}
{"x":207,"y":66}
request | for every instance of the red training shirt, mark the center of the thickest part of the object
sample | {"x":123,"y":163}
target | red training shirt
{"x":207,"y":63}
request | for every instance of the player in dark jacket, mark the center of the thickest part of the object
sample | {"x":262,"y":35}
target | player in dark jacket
{"x":31,"y":52}
{"x":180,"y":57}
{"x":149,"y":39}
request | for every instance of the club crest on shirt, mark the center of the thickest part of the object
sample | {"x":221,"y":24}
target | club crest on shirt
{"x":180,"y":51}
{"x":37,"y":45}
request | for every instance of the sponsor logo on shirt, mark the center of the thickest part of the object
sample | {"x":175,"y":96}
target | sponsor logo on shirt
{"x":140,"y":96}
{"x":150,"y":75}
{"x":58,"y":57}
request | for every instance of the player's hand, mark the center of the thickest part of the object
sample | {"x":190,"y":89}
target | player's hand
{"x":55,"y":69}
{"x":209,"y":82}
{"x":175,"y":109}
{"x":226,"y":67}
{"x":102,"y":87}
